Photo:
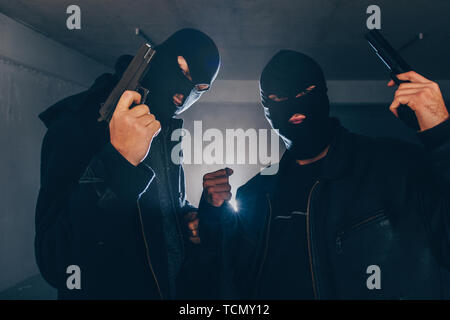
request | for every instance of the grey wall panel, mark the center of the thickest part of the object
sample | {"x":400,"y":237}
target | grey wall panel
{"x":35,"y":72}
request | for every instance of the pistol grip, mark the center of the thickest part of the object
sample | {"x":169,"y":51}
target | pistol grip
{"x":404,"y":112}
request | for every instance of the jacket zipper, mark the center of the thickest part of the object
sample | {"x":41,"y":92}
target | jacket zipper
{"x":266,"y":246}
{"x":147,"y":251}
{"x":308,"y":235}
{"x":171,"y":196}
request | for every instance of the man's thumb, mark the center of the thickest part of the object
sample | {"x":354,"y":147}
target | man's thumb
{"x":229,"y":171}
{"x":127,"y":99}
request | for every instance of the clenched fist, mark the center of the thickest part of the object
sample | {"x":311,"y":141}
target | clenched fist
{"x":216,"y":187}
{"x":132,"y":130}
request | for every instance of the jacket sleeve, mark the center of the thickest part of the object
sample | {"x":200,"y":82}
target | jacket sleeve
{"x":432,"y":175}
{"x":77,"y":213}
{"x":186,"y":206}
{"x":222,"y":236}
{"x":199,"y":276}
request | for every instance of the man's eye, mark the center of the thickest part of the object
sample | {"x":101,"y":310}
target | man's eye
{"x":308,"y":90}
{"x":300,"y":94}
{"x":276,"y":98}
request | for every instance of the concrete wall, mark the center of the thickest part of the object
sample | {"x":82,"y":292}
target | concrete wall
{"x":34,"y":73}
{"x":339,"y":91}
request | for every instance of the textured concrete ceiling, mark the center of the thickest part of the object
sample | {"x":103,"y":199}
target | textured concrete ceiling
{"x":249,"y":32}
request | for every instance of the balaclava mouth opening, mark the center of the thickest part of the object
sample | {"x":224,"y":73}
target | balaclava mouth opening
{"x":165,"y":77}
{"x":286,"y":75}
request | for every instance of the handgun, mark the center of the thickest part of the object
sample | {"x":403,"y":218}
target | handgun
{"x":131,"y":80}
{"x":396,"y":65}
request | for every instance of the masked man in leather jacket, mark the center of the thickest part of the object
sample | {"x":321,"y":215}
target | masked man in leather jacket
{"x":346,"y":216}
{"x":111,"y":202}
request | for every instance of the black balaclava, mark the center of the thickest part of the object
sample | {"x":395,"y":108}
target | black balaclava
{"x":286,"y":75}
{"x":165,"y":78}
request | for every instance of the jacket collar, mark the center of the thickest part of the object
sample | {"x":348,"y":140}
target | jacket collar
{"x":339,"y":159}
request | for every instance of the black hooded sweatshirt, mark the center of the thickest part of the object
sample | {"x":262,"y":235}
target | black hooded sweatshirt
{"x":97,"y":211}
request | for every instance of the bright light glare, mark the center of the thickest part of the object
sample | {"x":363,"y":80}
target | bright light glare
{"x":234,"y":204}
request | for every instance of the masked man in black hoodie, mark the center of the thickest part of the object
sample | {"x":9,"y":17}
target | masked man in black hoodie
{"x":346,"y":216}
{"x":111,"y":207}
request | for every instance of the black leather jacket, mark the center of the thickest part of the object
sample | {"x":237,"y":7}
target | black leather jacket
{"x":95,"y":209}
{"x":378,"y":201}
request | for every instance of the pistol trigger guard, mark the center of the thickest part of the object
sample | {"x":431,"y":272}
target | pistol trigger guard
{"x":396,"y":80}
{"x":144,"y":93}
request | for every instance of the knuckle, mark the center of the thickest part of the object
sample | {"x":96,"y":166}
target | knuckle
{"x":154,"y":126}
{"x":128,"y":94}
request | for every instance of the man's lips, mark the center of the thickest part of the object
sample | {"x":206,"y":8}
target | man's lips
{"x":297,"y":118}
{"x":178,"y":99}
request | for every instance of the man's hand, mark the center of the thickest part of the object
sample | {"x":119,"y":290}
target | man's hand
{"x":423,"y":97}
{"x":191,"y":219}
{"x":132,"y":130}
{"x":216,"y":187}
